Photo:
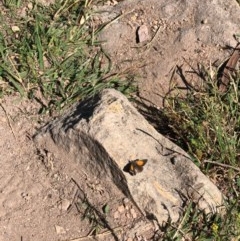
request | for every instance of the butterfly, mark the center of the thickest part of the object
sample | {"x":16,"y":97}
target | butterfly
{"x":136,"y":166}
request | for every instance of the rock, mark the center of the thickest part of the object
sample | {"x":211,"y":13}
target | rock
{"x":116,"y":215}
{"x":142,"y":34}
{"x":15,"y":29}
{"x":133,"y":213}
{"x":103,"y":133}
{"x":60,"y":230}
{"x":188,"y":34}
{"x":121,"y":209}
{"x":65,"y":204}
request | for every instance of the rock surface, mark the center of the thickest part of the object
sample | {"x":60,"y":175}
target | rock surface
{"x":183,"y":35}
{"x":102,"y":134}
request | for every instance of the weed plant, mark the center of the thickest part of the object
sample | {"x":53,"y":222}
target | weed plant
{"x":207,"y":124}
{"x":51,"y":53}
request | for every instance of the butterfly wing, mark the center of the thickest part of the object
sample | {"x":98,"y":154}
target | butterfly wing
{"x":140,"y":162}
{"x":137,"y":166}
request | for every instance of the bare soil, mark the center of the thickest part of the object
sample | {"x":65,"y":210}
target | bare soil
{"x":182,"y":38}
{"x":42,"y":200}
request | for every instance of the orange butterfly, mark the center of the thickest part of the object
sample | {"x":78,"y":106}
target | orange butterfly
{"x":136,"y":166}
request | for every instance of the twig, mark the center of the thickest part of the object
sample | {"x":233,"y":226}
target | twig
{"x":59,"y":10}
{"x":222,"y":165}
{"x":18,"y":78}
{"x":229,"y":69}
{"x":178,"y":229}
{"x":115,"y":19}
{"x":97,"y":235}
{"x":8,"y":119}
{"x":155,"y":35}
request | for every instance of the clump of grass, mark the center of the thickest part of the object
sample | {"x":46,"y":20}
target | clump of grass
{"x":90,"y":214}
{"x":196,"y":225}
{"x":52,"y":55}
{"x":206,"y":123}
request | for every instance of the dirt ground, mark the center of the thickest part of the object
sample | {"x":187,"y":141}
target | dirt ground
{"x":43,"y":198}
{"x":180,"y":37}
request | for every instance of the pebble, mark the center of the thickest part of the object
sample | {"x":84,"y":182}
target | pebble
{"x":116,"y":215}
{"x":125,"y":201}
{"x":133,"y":213}
{"x":60,"y":230}
{"x":65,"y":204}
{"x":121,"y":209}
{"x":15,"y":29}
{"x":129,"y":239}
{"x":143,"y":34}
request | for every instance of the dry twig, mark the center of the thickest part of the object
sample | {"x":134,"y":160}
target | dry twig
{"x":8,"y":119}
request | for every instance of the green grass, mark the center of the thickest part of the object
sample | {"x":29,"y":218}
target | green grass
{"x":209,"y":122}
{"x":196,"y":225}
{"x":206,"y":123}
{"x":52,"y":54}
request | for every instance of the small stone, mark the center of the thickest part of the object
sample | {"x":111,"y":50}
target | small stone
{"x":134,"y":18}
{"x":142,"y":34}
{"x":65,"y":204}
{"x":154,"y":27}
{"x":30,"y":6}
{"x":114,"y":2}
{"x":125,"y":201}
{"x":82,"y":20}
{"x":121,"y":209}
{"x":60,"y":230}
{"x":129,"y":239}
{"x":133,"y":213}
{"x":15,"y":29}
{"x":204,"y":21}
{"x":116,"y":215}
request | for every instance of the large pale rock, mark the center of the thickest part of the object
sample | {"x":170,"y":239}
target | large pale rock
{"x":182,"y":35}
{"x":103,"y":133}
